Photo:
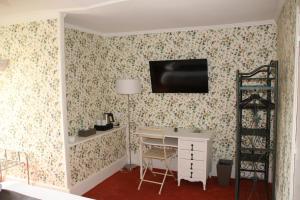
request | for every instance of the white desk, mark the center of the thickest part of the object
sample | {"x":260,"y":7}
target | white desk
{"x":194,"y":151}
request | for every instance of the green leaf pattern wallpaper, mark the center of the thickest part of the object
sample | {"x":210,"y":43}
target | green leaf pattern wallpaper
{"x":94,"y":63}
{"x":30,"y":105}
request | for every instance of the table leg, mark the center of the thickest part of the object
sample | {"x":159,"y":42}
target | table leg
{"x":141,"y":160}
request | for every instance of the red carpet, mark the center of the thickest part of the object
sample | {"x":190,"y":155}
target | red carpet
{"x":123,"y":186}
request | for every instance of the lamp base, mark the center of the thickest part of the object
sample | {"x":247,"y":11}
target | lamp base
{"x":129,"y":167}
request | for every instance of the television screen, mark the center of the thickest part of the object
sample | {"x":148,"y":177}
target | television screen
{"x":179,"y":76}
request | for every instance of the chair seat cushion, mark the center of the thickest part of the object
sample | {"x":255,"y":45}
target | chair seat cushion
{"x":158,"y":153}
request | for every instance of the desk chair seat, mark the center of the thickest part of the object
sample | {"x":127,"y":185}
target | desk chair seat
{"x":157,"y":149}
{"x":158,"y":153}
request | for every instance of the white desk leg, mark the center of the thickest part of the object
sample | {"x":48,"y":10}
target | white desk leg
{"x":141,"y":161}
{"x":178,"y":171}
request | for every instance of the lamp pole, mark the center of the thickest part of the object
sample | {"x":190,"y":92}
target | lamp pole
{"x":128,"y":87}
{"x":129,"y":134}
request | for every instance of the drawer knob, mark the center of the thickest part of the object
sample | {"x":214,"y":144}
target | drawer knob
{"x":191,"y":166}
{"x":191,"y":175}
{"x":192,"y":155}
{"x":192,"y":147}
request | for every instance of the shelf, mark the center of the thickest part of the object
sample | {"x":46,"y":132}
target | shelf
{"x":252,"y":170}
{"x":79,"y":140}
{"x":254,"y":155}
{"x":257,"y":91}
{"x":257,"y":79}
{"x":257,"y":106}
{"x":256,"y":87}
{"x":255,"y":132}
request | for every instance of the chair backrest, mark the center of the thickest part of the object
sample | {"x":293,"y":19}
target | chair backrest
{"x":153,"y":141}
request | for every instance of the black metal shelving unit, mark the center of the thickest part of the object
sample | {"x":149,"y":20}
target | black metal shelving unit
{"x":256,"y":128}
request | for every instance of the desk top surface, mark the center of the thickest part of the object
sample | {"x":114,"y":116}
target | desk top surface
{"x":182,"y":133}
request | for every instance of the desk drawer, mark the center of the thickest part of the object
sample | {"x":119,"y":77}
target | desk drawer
{"x":193,"y":175}
{"x":192,"y":145}
{"x":191,"y":155}
{"x":186,"y":165}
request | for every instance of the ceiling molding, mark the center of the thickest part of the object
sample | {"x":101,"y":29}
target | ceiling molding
{"x":199,"y":28}
{"x":50,"y":14}
{"x":29,"y":17}
{"x":86,"y":30}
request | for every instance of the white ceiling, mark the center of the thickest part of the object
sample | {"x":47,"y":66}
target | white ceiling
{"x":117,"y":16}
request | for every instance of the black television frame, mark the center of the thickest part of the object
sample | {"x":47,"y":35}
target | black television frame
{"x":170,"y":90}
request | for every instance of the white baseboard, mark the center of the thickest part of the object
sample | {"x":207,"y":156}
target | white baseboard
{"x":93,"y":180}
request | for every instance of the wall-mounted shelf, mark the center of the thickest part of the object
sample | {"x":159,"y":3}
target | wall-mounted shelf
{"x":79,"y":140}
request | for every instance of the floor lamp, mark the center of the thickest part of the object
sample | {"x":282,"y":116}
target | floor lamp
{"x":128,"y":87}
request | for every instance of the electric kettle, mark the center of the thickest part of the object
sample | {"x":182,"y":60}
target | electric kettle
{"x":109,"y":117}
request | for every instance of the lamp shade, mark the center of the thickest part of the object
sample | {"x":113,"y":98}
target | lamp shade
{"x":128,"y":86}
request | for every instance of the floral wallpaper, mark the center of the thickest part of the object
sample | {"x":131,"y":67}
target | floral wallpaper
{"x":94,"y":155}
{"x":84,"y":56}
{"x":30,"y":103}
{"x":30,"y":100}
{"x":84,"y":83}
{"x":286,"y":56}
{"x":226,"y":50}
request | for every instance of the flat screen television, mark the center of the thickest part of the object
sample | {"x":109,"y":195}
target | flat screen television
{"x":179,"y":76}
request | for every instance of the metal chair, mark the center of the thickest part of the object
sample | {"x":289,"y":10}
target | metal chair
{"x":154,"y":147}
{"x":12,"y":158}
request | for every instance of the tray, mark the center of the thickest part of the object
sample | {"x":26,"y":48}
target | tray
{"x":86,"y":133}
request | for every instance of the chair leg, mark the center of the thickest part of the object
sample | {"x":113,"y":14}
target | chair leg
{"x":163,"y":182}
{"x":168,"y":167}
{"x":27,"y":168}
{"x":1,"y":176}
{"x":151,"y":167}
{"x":142,"y":178}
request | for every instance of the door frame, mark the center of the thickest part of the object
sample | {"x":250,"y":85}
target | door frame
{"x":295,"y":161}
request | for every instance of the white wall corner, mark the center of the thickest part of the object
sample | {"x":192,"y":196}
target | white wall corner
{"x":279,"y":8}
{"x":63,"y":98}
